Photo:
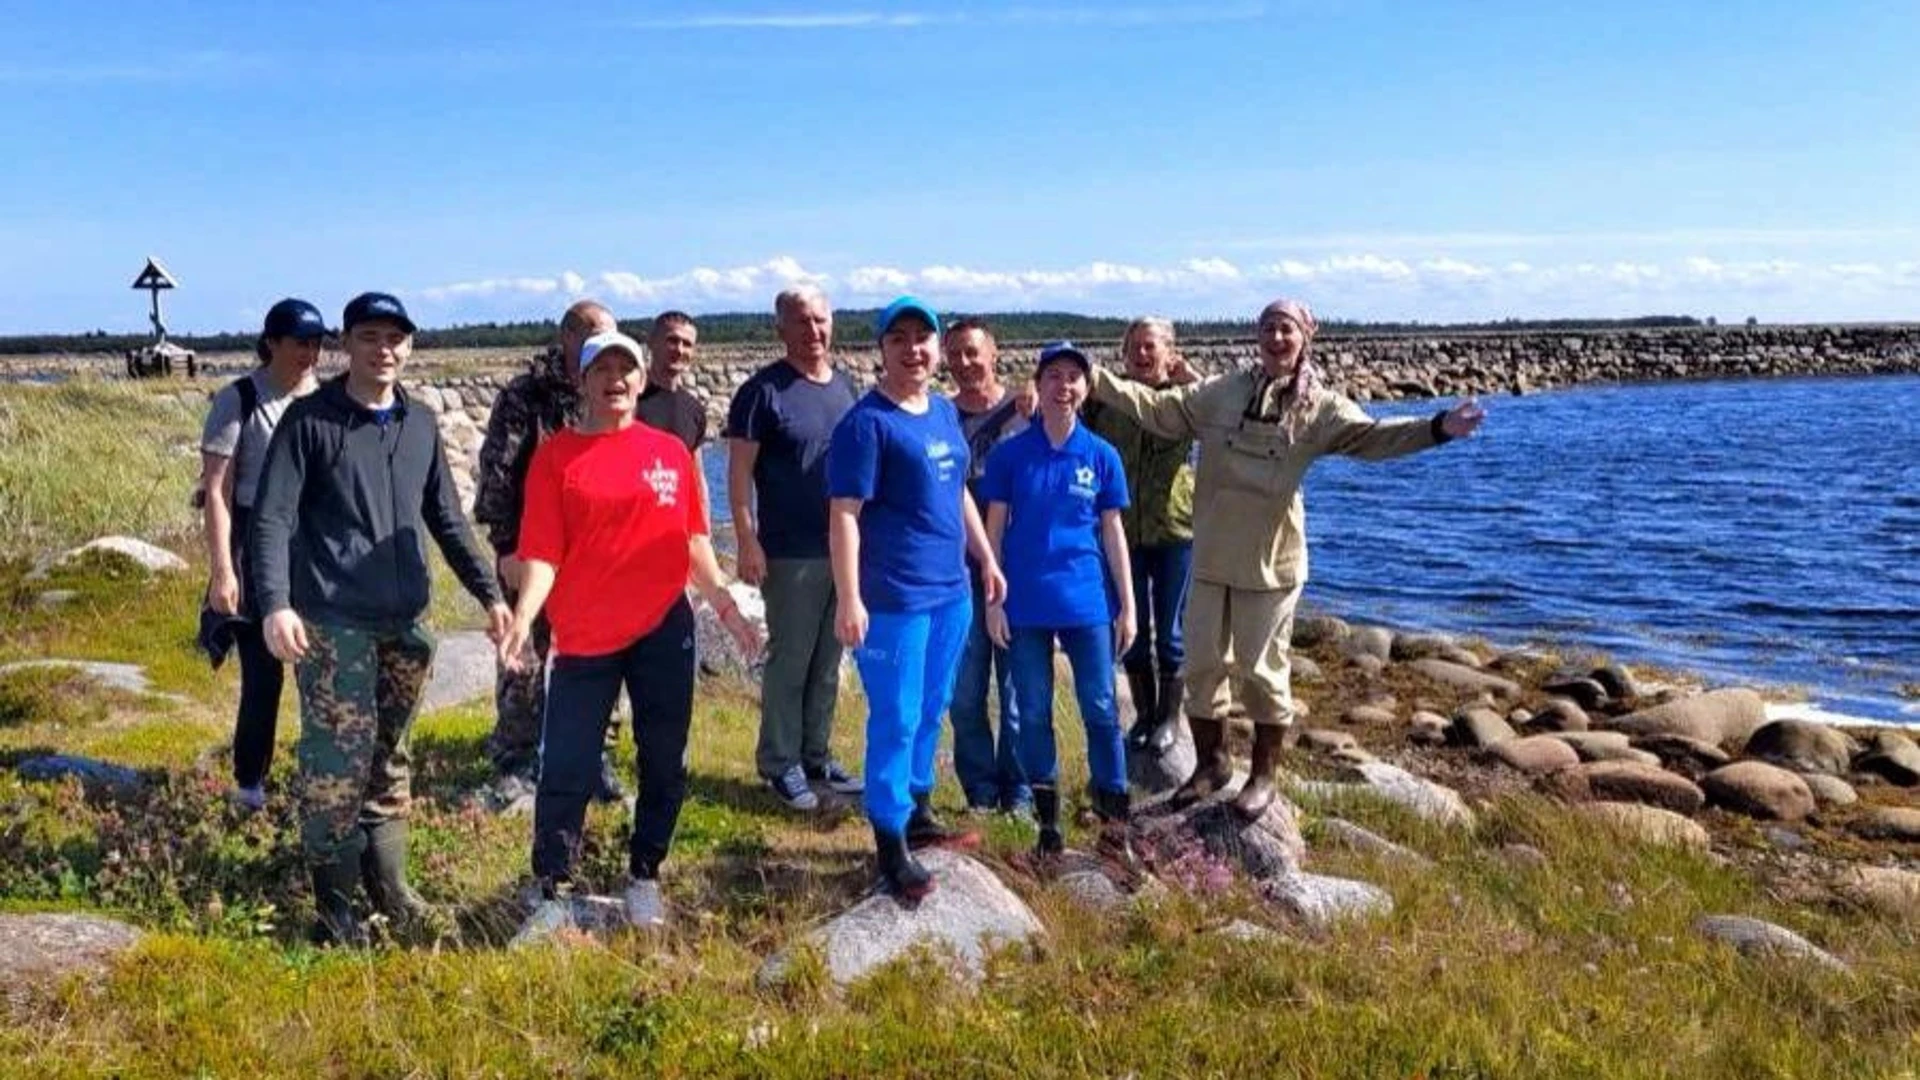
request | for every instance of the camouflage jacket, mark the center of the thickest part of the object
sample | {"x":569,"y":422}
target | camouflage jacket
{"x":1159,"y":478}
{"x":533,"y":406}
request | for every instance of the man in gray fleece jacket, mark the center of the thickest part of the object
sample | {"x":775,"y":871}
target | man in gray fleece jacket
{"x":355,"y":481}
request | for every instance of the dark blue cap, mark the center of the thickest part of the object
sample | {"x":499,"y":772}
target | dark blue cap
{"x":292,"y":318}
{"x":369,"y":306}
{"x":1062,"y":350}
{"x":906,"y":305}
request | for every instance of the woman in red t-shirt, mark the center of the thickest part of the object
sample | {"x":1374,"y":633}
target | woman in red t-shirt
{"x":612,"y":531}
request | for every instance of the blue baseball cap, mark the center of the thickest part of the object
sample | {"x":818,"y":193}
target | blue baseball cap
{"x":1061,"y":350}
{"x":291,"y":318}
{"x":611,"y":341}
{"x":906,"y":305}
{"x":369,"y":306}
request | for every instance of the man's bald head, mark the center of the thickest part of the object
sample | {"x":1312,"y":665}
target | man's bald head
{"x":583,"y":320}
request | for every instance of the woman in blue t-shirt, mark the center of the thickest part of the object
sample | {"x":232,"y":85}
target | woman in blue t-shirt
{"x":900,"y":526}
{"x":1054,"y":493}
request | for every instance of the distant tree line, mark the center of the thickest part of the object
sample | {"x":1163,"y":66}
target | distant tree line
{"x":742,"y":328}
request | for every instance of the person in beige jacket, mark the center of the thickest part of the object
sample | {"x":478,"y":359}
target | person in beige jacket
{"x":1258,"y":432}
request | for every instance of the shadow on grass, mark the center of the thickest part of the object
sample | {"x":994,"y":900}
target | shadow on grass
{"x":448,"y":765}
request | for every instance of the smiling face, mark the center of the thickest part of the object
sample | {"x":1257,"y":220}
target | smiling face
{"x":376,"y":350}
{"x":611,"y":385}
{"x":1281,"y":342}
{"x":805,"y":326}
{"x":971,"y":354}
{"x":909,"y":356}
{"x":671,"y":346}
{"x":1062,"y":389}
{"x":1147,"y":352}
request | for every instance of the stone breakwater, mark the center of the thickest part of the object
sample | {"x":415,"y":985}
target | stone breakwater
{"x":1365,"y":367}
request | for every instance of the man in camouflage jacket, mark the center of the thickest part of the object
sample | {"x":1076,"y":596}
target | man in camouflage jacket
{"x":533,"y":406}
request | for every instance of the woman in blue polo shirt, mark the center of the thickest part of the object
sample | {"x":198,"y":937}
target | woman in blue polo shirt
{"x":900,"y":526}
{"x":1054,"y":494}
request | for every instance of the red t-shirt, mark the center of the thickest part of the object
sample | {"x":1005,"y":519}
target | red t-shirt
{"x":614,"y":513}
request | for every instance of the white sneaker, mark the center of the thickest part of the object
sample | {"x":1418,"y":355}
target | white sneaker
{"x":250,"y":799}
{"x":646,"y":908}
{"x":551,"y":917}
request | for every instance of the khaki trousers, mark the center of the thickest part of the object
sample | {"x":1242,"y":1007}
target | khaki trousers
{"x":1245,"y":634}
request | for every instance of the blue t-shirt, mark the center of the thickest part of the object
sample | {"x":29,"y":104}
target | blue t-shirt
{"x":1056,"y":569}
{"x":792,"y":418}
{"x":911,"y":470}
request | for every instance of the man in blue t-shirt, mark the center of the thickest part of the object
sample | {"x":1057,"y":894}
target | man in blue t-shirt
{"x":1054,"y":494}
{"x":902,"y":527}
{"x":778,"y":428}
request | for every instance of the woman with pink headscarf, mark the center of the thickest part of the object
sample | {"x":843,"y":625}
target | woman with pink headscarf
{"x":1258,"y":431}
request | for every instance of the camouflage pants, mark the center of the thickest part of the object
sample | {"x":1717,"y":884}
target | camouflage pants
{"x":359,"y":692}
{"x":520,"y":703}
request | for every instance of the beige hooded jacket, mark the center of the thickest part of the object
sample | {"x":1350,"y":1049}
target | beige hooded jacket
{"x":1249,"y":524}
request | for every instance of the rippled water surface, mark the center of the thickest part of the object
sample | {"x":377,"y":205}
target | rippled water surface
{"x":1763,"y":531}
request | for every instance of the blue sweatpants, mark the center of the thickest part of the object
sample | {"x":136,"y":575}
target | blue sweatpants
{"x":907,"y":664}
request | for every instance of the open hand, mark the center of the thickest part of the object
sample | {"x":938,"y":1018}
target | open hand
{"x":511,"y":646}
{"x":998,"y":631}
{"x":850,"y":622}
{"x":1463,"y":419}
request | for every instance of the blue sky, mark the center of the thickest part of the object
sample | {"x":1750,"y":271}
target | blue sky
{"x":1381,"y":158}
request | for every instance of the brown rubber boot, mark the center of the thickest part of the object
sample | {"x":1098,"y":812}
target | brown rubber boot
{"x":1261,"y":786}
{"x":1212,"y":768}
{"x":1115,"y":810}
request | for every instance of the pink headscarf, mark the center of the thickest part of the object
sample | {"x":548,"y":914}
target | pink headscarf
{"x":1304,"y":388}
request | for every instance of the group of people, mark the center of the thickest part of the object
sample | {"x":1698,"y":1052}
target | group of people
{"x":950,"y":542}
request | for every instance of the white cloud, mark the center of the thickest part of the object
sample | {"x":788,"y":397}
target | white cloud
{"x":1355,"y":285}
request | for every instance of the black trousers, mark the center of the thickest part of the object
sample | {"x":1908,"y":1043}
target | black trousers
{"x":261,"y":676}
{"x":658,"y":672}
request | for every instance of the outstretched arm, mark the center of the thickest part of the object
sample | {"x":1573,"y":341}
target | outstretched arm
{"x":1167,"y":413}
{"x":1350,"y":431}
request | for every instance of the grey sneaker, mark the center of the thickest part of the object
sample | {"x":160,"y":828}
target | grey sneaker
{"x":792,"y":788}
{"x":550,"y":918}
{"x":646,"y":908}
{"x":837,"y":779}
{"x":249,"y":799}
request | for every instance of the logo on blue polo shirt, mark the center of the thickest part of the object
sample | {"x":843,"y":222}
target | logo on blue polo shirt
{"x":1083,"y":483}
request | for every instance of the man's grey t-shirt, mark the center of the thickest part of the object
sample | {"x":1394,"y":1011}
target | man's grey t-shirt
{"x":224,"y":435}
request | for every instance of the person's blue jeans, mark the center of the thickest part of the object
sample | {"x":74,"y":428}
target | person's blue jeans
{"x":1089,"y":652}
{"x":988,"y":768}
{"x":907,"y":664}
{"x":1161,"y":574}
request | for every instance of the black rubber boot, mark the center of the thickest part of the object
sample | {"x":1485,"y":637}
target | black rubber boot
{"x":1170,"y":696}
{"x":1263,"y":778}
{"x":924,"y":830}
{"x":1212,"y":768}
{"x":1046,"y":811}
{"x":900,"y":873}
{"x":384,"y":869}
{"x":333,"y":887}
{"x":1146,"y":710}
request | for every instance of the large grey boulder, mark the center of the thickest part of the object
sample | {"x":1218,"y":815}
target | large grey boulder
{"x":1725,"y":718}
{"x":969,"y":914}
{"x":1260,"y":849}
{"x":1479,"y":726}
{"x":1893,"y":757}
{"x":1374,"y":641}
{"x":1759,"y":790}
{"x":1344,"y":833}
{"x":1390,"y":783}
{"x":1757,"y":938}
{"x":1151,"y":774}
{"x":1461,"y":677}
{"x":1534,"y":755}
{"x":463,"y":669}
{"x":1897,"y":823}
{"x":36,"y":950}
{"x":1320,"y":901}
{"x":1628,"y":782}
{"x":1648,"y":824}
{"x":152,"y":558}
{"x":1888,"y":890}
{"x":1802,"y":746}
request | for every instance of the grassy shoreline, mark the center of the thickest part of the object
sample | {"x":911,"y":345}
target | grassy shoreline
{"x":1580,"y":963}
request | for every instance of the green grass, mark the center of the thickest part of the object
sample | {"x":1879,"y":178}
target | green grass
{"x":1584,"y":966}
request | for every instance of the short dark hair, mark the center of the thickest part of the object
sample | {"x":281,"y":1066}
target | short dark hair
{"x":970,"y":322}
{"x":671,"y":317}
